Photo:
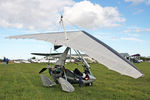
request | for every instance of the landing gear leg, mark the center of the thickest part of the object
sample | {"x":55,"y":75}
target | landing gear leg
{"x":80,"y":81}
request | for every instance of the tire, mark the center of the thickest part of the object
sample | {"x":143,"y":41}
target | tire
{"x":88,"y":84}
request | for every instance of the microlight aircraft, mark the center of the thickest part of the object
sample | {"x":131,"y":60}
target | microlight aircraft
{"x":84,"y":42}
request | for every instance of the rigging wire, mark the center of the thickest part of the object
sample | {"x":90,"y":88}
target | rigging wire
{"x":73,"y":25}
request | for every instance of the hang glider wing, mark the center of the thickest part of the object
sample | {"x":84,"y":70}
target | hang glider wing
{"x":81,"y":40}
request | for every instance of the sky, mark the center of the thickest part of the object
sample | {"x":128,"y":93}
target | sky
{"x":122,"y":24}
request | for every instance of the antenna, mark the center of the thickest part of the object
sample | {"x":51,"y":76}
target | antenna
{"x":61,"y":21}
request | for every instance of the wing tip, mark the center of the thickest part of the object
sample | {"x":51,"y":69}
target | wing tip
{"x":138,"y":76}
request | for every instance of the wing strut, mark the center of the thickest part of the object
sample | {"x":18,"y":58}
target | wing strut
{"x":85,"y":64}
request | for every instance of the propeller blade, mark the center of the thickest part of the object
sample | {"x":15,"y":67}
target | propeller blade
{"x":42,"y":70}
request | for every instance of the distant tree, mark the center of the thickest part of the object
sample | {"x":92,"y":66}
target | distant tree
{"x":1,"y":60}
{"x":144,"y":58}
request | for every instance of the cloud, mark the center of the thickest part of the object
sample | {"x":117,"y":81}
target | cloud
{"x":89,"y":15}
{"x":45,"y":14}
{"x":119,"y":39}
{"x":148,"y":2}
{"x":31,"y":14}
{"x":137,"y":30}
{"x":135,"y":2}
{"x":131,"y":39}
{"x":138,"y":11}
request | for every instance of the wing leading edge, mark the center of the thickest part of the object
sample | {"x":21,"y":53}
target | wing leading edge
{"x":83,"y":41}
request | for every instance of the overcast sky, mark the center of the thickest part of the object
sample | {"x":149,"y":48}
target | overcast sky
{"x":122,"y":24}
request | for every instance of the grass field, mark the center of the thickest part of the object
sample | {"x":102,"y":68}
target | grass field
{"x":22,"y":82}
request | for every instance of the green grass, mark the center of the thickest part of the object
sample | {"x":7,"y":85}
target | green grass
{"x":22,"y":82}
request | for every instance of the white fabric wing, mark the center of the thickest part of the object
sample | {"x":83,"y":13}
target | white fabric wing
{"x":81,"y":40}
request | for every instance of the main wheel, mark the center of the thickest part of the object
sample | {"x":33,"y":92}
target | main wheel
{"x":88,"y":84}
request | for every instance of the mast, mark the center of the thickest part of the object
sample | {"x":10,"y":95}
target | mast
{"x":61,"y":21}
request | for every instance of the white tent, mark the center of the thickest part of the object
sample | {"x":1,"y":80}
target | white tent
{"x":81,"y":40}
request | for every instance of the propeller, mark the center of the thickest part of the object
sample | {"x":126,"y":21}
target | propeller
{"x":42,"y":70}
